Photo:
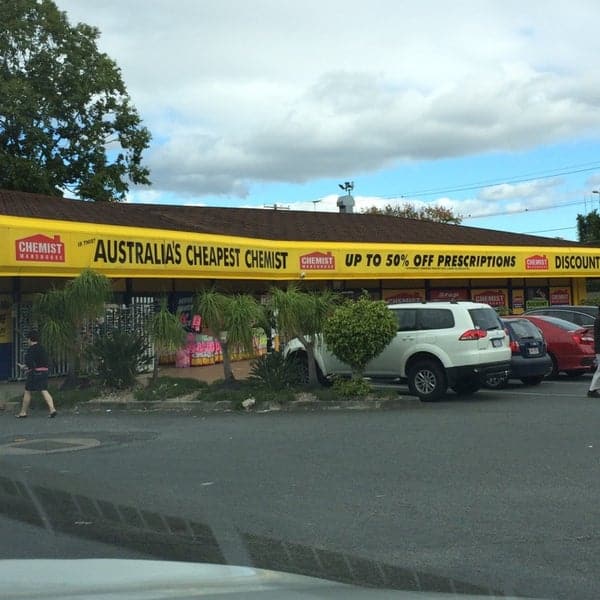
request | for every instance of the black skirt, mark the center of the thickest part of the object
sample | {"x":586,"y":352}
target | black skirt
{"x":37,"y":381}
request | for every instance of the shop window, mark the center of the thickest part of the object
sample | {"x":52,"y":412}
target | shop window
{"x":560,"y":295}
{"x":536,"y":297}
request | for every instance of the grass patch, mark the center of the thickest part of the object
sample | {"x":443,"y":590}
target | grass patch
{"x":335,"y":394}
{"x":171,"y":387}
{"x":382,"y":394}
{"x":168,"y":387}
{"x":68,"y":398}
{"x":281,"y":396}
{"x":235,"y":392}
{"x":238,"y":391}
{"x":326,"y":394}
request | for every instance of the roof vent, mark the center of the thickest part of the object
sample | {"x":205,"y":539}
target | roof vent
{"x":346,"y":203}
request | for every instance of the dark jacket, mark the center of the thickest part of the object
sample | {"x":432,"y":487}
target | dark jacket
{"x":36,"y":357}
{"x":597,"y":335}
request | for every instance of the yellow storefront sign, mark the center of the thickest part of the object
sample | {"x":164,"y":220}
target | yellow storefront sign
{"x":61,"y":248}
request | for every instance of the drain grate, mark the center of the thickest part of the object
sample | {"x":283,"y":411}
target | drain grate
{"x":33,"y":443}
{"x":48,"y":446}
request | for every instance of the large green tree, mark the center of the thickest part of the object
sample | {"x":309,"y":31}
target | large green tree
{"x":66,"y":119}
{"x":439,"y":214}
{"x":588,"y":227}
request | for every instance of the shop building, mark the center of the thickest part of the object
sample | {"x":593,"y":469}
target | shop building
{"x":150,"y":250}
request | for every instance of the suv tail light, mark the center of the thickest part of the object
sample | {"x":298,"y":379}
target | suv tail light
{"x":473,"y":334}
{"x":514,"y":347}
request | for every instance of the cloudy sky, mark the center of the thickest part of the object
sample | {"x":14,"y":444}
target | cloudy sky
{"x":491,"y":108}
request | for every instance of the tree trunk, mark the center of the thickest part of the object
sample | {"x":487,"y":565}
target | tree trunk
{"x":357,"y":374}
{"x":313,"y":381}
{"x":72,"y":378}
{"x":227,"y":370}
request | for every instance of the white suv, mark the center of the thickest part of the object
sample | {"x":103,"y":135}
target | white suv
{"x":437,"y":345}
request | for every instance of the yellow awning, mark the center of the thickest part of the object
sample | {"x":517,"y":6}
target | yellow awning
{"x":42,"y":247}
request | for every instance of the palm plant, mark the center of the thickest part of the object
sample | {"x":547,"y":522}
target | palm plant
{"x":166,"y":332}
{"x":302,"y":315}
{"x":231,"y":319}
{"x":61,"y":315}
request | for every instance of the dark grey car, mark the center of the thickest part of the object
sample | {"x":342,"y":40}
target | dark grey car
{"x":530,"y":361}
{"x":581,"y":315}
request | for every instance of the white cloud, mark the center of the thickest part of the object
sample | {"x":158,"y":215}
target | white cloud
{"x":523,"y":190}
{"x":499,"y":200}
{"x":237,"y":92}
{"x":143,"y":196}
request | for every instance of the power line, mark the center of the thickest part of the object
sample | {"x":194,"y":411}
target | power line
{"x":547,"y":230}
{"x":524,"y":210}
{"x":569,"y":170}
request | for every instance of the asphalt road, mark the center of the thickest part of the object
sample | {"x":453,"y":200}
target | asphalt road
{"x":498,"y":492}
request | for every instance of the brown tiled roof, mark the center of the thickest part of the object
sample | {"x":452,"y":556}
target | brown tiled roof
{"x":264,"y":224}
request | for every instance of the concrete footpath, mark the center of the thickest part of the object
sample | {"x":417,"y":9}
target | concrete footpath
{"x":9,"y":391}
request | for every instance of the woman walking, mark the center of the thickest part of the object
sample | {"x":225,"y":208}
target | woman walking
{"x":36,"y":363}
{"x":593,"y":392}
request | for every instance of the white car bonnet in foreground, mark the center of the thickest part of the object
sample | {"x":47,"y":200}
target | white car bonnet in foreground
{"x":110,"y":579}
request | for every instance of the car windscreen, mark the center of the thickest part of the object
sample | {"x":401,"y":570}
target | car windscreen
{"x":485,"y":318}
{"x":522,"y":328}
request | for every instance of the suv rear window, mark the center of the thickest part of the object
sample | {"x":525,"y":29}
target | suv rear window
{"x":485,"y":318}
{"x":412,"y":319}
{"x":435,"y":318}
{"x":407,"y":319}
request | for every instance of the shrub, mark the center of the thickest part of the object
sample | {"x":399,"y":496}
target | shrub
{"x":358,"y":331}
{"x":350,"y":389}
{"x":274,"y":372}
{"x":118,"y":357}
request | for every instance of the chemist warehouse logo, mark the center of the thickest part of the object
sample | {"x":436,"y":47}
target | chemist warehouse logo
{"x":40,"y":248}
{"x":317,"y":261}
{"x":536,"y":263}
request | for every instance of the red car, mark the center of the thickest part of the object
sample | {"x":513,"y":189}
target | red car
{"x":570,"y":346}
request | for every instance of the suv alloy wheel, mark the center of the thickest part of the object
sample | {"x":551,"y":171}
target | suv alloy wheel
{"x":426,"y":379}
